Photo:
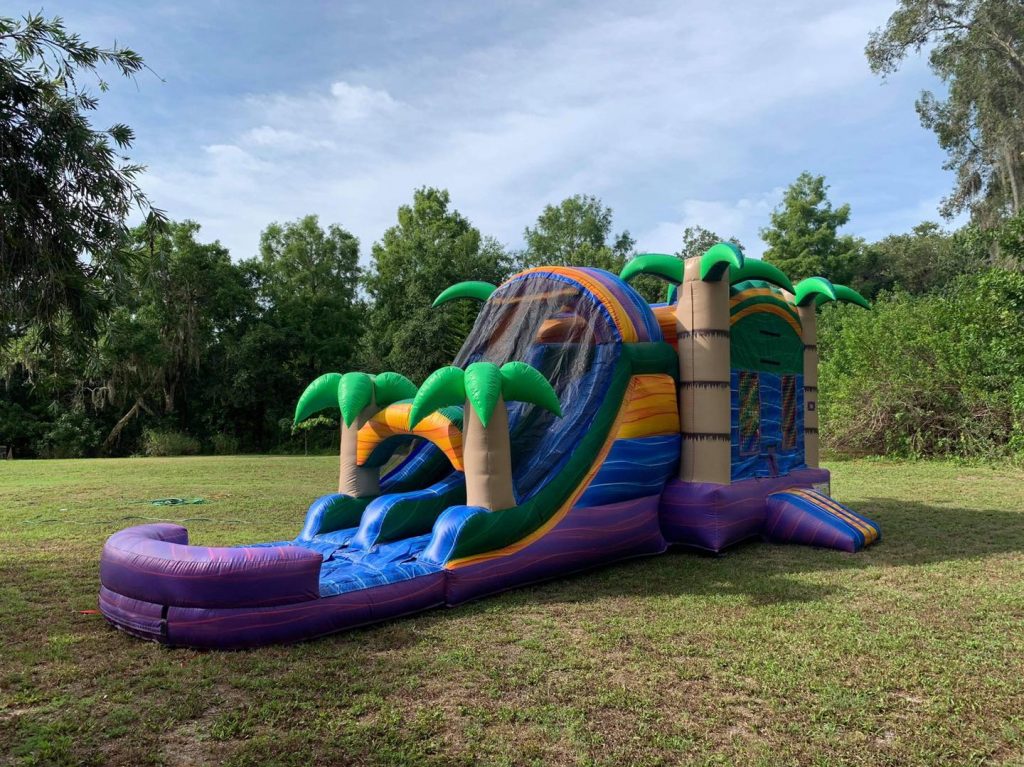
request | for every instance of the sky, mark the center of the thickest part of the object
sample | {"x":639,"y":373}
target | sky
{"x":675,"y":114}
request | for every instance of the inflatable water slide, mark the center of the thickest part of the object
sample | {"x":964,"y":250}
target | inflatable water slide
{"x":577,"y":426}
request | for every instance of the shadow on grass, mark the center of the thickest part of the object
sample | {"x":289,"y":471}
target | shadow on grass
{"x":766,"y":573}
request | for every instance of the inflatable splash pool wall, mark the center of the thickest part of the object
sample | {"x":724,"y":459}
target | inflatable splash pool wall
{"x":578,"y":425}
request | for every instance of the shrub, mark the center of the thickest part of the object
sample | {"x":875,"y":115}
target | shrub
{"x":71,"y":435}
{"x":225,"y":444}
{"x":168,"y":443}
{"x":934,"y":375}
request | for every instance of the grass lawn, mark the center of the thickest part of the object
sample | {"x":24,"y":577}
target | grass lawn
{"x":909,"y":653}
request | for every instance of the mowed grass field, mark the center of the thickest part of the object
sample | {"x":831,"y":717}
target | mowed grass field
{"x":909,"y":653}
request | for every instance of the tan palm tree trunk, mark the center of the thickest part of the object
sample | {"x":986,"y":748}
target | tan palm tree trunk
{"x":702,"y":323}
{"x":809,"y":324}
{"x":487,"y":455}
{"x":354,"y":480}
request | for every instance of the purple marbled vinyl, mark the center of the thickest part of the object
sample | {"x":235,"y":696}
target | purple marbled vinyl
{"x":714,"y":517}
{"x":585,"y":537}
{"x":155,"y":564}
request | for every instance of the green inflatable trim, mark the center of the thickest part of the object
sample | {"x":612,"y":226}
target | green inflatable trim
{"x":473,"y":289}
{"x":809,"y":289}
{"x":417,"y":517}
{"x":344,"y":512}
{"x":319,"y":395}
{"x":658,"y":264}
{"x":718,"y":258}
{"x":652,"y":357}
{"x":755,"y":269}
{"x":845,"y":294}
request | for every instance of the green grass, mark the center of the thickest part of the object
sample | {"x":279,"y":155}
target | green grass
{"x":909,"y":653}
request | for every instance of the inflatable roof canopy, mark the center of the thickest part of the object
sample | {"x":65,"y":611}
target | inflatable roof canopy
{"x":578,"y":425}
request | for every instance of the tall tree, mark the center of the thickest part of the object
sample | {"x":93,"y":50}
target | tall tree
{"x":65,"y":186}
{"x":977,"y":49}
{"x":181,"y":297}
{"x":430,"y":248}
{"x":803,"y":238}
{"x":577,"y":232}
{"x":308,"y":279}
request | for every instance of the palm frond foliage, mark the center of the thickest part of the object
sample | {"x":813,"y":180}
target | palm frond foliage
{"x":811,"y":288}
{"x":755,"y":269}
{"x":845,"y":294}
{"x":351,"y":393}
{"x":473,"y":289}
{"x":718,"y":258}
{"x":482,"y":384}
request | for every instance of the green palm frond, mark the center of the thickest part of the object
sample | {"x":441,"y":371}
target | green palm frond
{"x":718,"y":258}
{"x":391,"y":387}
{"x":321,"y":394}
{"x":657,"y":264}
{"x":442,"y":388}
{"x":809,"y":289}
{"x":473,"y":289}
{"x":755,"y":269}
{"x":845,"y":294}
{"x":483,"y":388}
{"x":522,"y":383}
{"x":355,"y":392}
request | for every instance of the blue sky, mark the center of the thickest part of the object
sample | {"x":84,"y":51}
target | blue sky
{"x":674,"y":113}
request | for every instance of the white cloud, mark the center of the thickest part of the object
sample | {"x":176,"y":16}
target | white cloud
{"x":675,"y":115}
{"x":742,"y":219}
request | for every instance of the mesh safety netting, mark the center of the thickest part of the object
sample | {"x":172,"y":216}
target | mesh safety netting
{"x":559,"y":328}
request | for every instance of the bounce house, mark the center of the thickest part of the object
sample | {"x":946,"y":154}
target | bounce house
{"x":578,"y":425}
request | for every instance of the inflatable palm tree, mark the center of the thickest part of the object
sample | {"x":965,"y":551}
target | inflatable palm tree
{"x":359,"y":397}
{"x":483,"y":389}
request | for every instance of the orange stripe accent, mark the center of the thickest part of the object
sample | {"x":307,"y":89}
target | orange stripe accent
{"x":666,"y":317}
{"x":777,"y":310}
{"x":612,"y":304}
{"x":743,"y":295}
{"x":650,"y":407}
{"x":869,"y":532}
{"x":613,"y":434}
{"x":394,"y":420}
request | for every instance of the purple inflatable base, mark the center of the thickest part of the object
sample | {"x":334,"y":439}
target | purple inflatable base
{"x":584,"y":538}
{"x":713,"y":517}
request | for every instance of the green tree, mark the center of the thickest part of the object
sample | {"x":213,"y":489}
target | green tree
{"x":977,"y":50}
{"x":181,"y":297}
{"x":308,"y":280}
{"x":803,"y":239}
{"x":923,"y":260}
{"x":577,"y":232}
{"x":430,"y":248}
{"x":65,"y":187}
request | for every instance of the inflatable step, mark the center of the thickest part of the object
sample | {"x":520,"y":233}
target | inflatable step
{"x":802,"y":515}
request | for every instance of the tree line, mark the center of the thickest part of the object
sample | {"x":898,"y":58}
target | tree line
{"x":148,"y":339}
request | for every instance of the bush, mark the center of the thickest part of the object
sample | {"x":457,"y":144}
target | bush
{"x":225,"y":444}
{"x":168,"y":443}
{"x":71,"y":435}
{"x":934,"y":375}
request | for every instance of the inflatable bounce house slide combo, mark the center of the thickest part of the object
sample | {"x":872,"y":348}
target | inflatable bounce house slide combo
{"x":578,"y":425}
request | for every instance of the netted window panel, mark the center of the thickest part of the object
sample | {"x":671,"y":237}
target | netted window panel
{"x":750,"y":413}
{"x":789,"y":405}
